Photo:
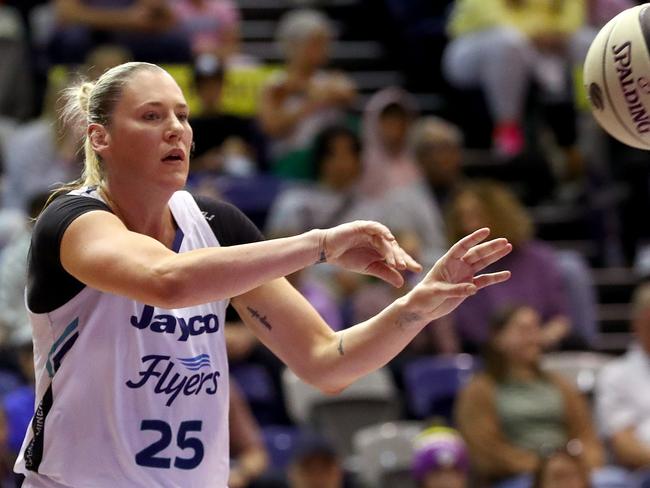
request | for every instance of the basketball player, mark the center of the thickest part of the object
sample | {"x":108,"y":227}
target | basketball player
{"x":129,"y":280}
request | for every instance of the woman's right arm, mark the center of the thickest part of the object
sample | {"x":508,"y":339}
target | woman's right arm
{"x":98,"y":250}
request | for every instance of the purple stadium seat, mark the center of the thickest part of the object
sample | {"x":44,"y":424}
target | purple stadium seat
{"x":280,"y":442}
{"x":432,"y":383}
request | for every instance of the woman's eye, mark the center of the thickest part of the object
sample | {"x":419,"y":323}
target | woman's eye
{"x":182,"y":117}
{"x":150,"y":116}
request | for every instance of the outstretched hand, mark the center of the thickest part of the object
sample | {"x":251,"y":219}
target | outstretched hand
{"x":454,"y":276}
{"x":369,"y":248}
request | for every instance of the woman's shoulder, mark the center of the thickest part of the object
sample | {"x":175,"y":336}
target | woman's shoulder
{"x":481,"y":384}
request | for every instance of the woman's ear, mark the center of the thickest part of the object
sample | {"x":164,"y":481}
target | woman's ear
{"x":98,"y":137}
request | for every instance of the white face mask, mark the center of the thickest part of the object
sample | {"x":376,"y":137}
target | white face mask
{"x":238,"y":165}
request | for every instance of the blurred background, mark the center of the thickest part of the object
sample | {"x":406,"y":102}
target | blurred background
{"x":433,"y":117}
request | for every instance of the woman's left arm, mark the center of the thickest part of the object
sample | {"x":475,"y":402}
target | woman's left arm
{"x":580,"y":424}
{"x":286,"y":323}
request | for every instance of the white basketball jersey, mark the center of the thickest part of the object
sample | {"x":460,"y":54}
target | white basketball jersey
{"x":130,"y":395}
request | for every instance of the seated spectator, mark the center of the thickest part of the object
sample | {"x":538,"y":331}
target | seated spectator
{"x":41,"y":153}
{"x":562,"y":469}
{"x":13,"y":275}
{"x":437,"y":146}
{"x":388,"y":162}
{"x":336,"y":198}
{"x":500,"y":46}
{"x":145,"y":27}
{"x":16,"y":96}
{"x":223,"y":143}
{"x":536,"y":277}
{"x":315,"y":464}
{"x":302,"y":98}
{"x":440,"y":459}
{"x":622,"y":392}
{"x":514,"y":413}
{"x":249,"y":458}
{"x":212,"y":26}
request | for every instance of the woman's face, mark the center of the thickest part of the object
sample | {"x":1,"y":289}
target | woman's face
{"x":314,"y":50}
{"x":341,"y":168}
{"x":520,"y":339}
{"x":149,"y":137}
{"x":470,"y":213}
{"x":563,"y":472}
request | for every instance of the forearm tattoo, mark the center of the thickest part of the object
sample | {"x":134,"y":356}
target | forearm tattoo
{"x":408,"y":319}
{"x":260,"y":318}
{"x":340,"y":348}
{"x":322,"y":258}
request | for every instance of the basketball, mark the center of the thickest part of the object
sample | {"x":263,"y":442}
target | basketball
{"x":617,"y":77}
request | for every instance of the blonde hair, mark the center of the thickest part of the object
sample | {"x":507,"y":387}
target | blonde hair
{"x":89,"y":102}
{"x":504,"y":213}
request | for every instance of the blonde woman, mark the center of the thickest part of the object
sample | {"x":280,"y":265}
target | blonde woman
{"x":129,"y":280}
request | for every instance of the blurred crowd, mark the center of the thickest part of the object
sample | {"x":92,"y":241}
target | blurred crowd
{"x":481,"y":398}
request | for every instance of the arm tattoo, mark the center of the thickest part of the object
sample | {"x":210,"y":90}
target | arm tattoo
{"x":261,"y":318}
{"x":340,"y":348}
{"x":323,"y":258}
{"x":406,"y":320}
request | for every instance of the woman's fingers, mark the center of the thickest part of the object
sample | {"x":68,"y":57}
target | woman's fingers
{"x":454,"y":290}
{"x":460,"y":249}
{"x":488,"y":279}
{"x":487,"y":253}
{"x":381,"y":240}
{"x":384,"y":272}
{"x":411,"y":264}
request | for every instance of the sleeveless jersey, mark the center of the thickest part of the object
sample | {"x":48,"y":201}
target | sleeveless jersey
{"x":131,"y":395}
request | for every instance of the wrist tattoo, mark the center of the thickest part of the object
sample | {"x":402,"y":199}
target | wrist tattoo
{"x":408,"y":319}
{"x":260,"y":318}
{"x":340,"y":348}
{"x":322,"y":258}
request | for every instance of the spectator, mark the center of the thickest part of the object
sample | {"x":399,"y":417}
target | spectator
{"x":622,"y":392}
{"x":562,"y":470}
{"x":248,"y":455}
{"x":302,"y":98}
{"x":536,"y":279}
{"x":212,"y":26}
{"x":437,"y":147}
{"x":145,"y":27}
{"x":315,"y":464}
{"x":13,"y":276}
{"x":388,"y":163}
{"x":514,"y":413}
{"x":336,"y":199}
{"x":223,"y":143}
{"x":500,"y":46}
{"x":440,"y":459}
{"x":40,"y":154}
{"x":16,"y":97}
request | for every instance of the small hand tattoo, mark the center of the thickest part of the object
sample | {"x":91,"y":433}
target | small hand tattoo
{"x":340,"y":348}
{"x":261,"y":318}
{"x":405,"y":320}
